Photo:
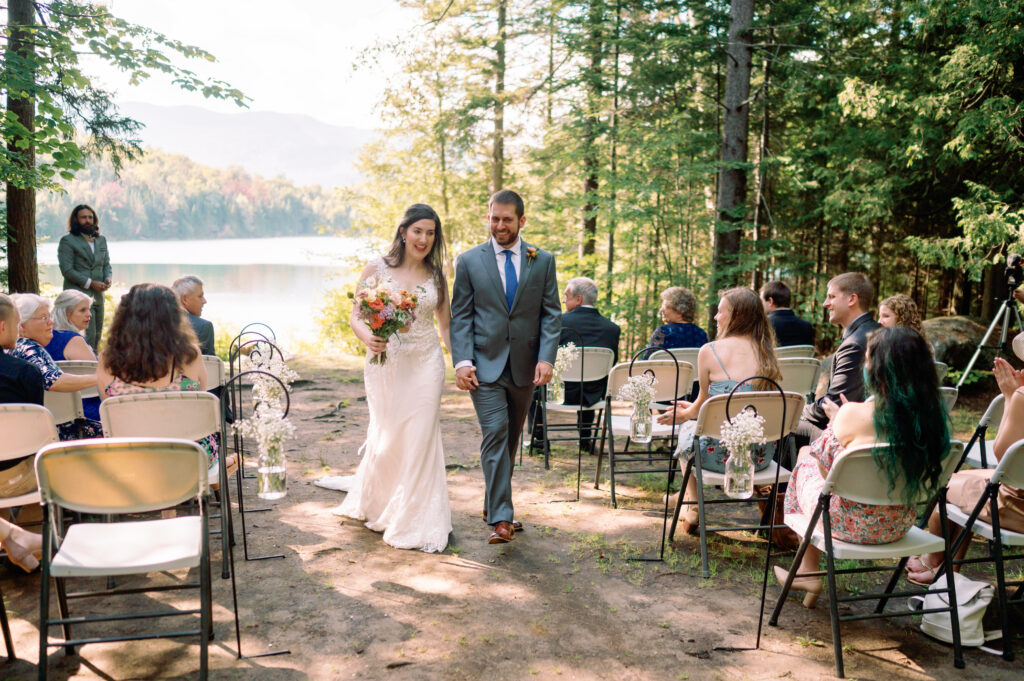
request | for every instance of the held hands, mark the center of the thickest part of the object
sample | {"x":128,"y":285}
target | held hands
{"x":666,"y":417}
{"x":99,"y":286}
{"x":465,"y":378}
{"x":1008,"y":379}
{"x":830,"y":408}
{"x":543,"y":373}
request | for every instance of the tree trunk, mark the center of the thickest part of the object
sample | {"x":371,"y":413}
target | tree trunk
{"x":613,"y":133}
{"x":23,"y":273}
{"x":761,"y":200}
{"x":498,"y":150}
{"x":732,"y":179}
{"x":588,"y":237}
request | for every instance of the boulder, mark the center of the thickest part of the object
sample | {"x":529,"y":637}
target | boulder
{"x":955,"y":339}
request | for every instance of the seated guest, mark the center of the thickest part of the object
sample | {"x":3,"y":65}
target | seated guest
{"x":678,"y":308}
{"x":899,"y":310}
{"x":189,"y":290}
{"x":583,"y":325}
{"x":68,"y":343}
{"x":20,"y":383}
{"x":967,"y":486}
{"x":907,"y":413}
{"x":744,"y":347}
{"x":36,"y":331}
{"x":789,"y":329}
{"x":152,"y":348}
{"x":72,"y":311}
{"x":848,"y":299}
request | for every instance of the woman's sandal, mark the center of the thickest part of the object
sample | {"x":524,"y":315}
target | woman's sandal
{"x":24,"y":558}
{"x":919,"y":572}
{"x":811,"y":586}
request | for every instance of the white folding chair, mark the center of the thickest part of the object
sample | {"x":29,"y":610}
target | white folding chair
{"x":769,"y":404}
{"x":592,"y":364}
{"x":81,"y":367}
{"x":670,"y":377}
{"x":941,"y":368}
{"x":794,"y":351}
{"x":121,"y":477}
{"x":64,"y":407}
{"x":216,"y":372}
{"x":680,"y":354}
{"x":857,"y":477}
{"x":979,"y":449}
{"x":185,"y":415}
{"x":1010,"y":472}
{"x":26,"y":429}
{"x":800,"y":375}
{"x":948,"y":396}
{"x":665,"y":390}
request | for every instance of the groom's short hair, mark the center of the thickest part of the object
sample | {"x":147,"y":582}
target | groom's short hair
{"x":507,"y":197}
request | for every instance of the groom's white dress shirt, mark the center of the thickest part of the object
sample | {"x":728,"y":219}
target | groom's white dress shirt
{"x":499,"y":257}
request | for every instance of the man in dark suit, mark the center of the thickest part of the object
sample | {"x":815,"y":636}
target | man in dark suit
{"x":583,"y":325}
{"x":190,"y":292}
{"x":789,"y":329}
{"x":848,"y":300}
{"x":85,"y":264}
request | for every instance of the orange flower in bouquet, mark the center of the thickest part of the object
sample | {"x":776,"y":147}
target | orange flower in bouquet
{"x":385,"y":311}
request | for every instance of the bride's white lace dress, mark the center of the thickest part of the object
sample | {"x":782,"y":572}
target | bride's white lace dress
{"x":401,"y":488}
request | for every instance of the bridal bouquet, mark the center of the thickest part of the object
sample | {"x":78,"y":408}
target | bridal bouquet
{"x":385,"y":311}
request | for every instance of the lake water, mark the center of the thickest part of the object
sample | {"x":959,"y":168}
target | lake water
{"x":277,"y":281}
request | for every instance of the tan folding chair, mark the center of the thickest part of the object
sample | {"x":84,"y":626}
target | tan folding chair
{"x":794,"y":351}
{"x":122,"y":477}
{"x":800,"y":375}
{"x":857,"y":477}
{"x":680,"y":354}
{"x":1009,"y":472}
{"x":948,"y":396}
{"x":26,"y":429}
{"x":592,"y":364}
{"x":216,"y":371}
{"x":769,"y":404}
{"x":81,"y":367}
{"x":65,"y":407}
{"x":670,"y":377}
{"x":978,"y":453}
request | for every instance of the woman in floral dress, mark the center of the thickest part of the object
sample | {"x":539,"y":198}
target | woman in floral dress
{"x":906,"y":412}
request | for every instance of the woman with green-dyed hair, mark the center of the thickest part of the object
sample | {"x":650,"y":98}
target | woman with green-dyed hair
{"x":905,"y":411}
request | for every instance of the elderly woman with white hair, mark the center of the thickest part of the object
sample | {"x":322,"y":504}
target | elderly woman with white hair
{"x":35,"y":331}
{"x":71,"y":315}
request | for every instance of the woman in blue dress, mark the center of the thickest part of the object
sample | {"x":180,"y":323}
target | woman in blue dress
{"x":744,"y":347}
{"x":678,"y":308}
{"x":71,"y":310}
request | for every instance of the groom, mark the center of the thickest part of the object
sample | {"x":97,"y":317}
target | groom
{"x":506,"y":320}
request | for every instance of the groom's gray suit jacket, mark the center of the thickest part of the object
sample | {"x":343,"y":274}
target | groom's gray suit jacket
{"x":486,"y":331}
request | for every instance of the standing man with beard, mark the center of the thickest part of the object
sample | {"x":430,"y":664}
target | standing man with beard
{"x":85,"y":264}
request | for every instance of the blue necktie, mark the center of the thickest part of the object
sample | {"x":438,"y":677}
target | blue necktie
{"x":511,"y":283}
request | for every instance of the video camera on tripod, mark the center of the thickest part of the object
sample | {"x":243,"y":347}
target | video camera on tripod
{"x":1014,"y":272}
{"x":1005,"y":316}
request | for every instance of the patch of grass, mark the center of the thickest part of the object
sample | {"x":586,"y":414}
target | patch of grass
{"x":807,"y":641}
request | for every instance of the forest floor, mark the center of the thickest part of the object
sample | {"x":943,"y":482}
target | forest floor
{"x":564,"y":600}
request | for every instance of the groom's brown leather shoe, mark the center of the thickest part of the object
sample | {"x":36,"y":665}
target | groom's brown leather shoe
{"x":516,"y":525}
{"x":502,"y":534}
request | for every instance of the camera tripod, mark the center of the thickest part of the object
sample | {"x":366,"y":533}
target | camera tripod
{"x":1007,"y":312}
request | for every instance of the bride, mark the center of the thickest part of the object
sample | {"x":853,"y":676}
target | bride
{"x":400,"y":487}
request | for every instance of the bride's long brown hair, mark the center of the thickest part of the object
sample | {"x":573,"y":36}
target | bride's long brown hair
{"x":749,"y":320}
{"x":438,"y":251}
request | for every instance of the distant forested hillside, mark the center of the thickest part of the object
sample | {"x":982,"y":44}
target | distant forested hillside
{"x":168,"y":196}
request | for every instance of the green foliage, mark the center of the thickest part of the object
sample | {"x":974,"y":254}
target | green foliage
{"x":168,"y":196}
{"x":66,"y":99}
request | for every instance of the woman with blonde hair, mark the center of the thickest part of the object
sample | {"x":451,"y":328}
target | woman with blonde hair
{"x":744,"y":347}
{"x":900,"y":310}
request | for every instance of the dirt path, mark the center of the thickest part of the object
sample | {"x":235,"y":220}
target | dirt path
{"x":561,"y":601}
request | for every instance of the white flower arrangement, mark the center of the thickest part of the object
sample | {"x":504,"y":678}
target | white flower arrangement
{"x":266,"y":390}
{"x":567,"y":354}
{"x":268,"y":426}
{"x":745,"y":429}
{"x":638,"y":389}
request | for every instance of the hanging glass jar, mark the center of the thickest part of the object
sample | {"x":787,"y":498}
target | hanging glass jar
{"x":739,"y":474}
{"x":641,"y":426}
{"x":271,"y":472}
{"x":556,"y":390}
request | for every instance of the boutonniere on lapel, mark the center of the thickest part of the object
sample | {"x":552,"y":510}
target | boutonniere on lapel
{"x":531,"y":252}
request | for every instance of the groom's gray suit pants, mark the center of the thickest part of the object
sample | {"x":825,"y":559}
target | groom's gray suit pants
{"x":501,"y":409}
